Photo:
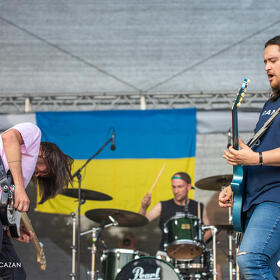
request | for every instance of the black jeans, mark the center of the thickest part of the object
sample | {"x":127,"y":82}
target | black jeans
{"x":11,"y":267}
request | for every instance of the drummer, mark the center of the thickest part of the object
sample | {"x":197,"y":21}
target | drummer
{"x":181,"y":185}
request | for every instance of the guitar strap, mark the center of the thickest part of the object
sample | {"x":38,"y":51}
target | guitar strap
{"x":263,"y":129}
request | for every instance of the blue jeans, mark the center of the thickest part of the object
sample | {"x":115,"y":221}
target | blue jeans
{"x":260,"y":248}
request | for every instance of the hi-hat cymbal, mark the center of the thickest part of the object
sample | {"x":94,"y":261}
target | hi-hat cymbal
{"x":86,"y":194}
{"x":214,"y":183}
{"x":226,"y":227}
{"x":123,"y":217}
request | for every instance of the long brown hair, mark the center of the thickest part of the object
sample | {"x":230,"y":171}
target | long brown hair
{"x":275,"y":93}
{"x":59,"y":176}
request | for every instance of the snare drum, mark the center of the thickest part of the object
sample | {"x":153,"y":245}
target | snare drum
{"x":148,"y":268}
{"x":184,"y":236}
{"x":113,"y":261}
{"x":201,"y":264}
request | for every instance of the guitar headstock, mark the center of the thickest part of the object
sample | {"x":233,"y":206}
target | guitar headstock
{"x":41,"y":257}
{"x":241,"y":93}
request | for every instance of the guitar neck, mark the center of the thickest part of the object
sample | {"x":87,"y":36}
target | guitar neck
{"x":29,"y":227}
{"x":235,"y":129}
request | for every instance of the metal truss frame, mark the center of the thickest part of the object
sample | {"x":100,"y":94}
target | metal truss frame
{"x":118,"y":101}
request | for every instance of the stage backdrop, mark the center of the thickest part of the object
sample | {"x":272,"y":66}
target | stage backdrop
{"x":145,"y":140}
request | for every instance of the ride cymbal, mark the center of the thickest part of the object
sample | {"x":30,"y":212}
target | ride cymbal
{"x":86,"y":194}
{"x":214,"y":183}
{"x":123,"y":217}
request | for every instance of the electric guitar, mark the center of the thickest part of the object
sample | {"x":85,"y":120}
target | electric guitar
{"x":12,"y":218}
{"x":237,"y":185}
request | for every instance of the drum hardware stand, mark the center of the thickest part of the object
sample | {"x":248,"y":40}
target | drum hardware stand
{"x":96,"y":233}
{"x":79,"y":177}
{"x":233,"y":270}
{"x":213,"y":232}
{"x":74,"y":247}
{"x":237,"y":245}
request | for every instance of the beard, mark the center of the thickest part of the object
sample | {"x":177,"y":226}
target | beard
{"x":275,"y":93}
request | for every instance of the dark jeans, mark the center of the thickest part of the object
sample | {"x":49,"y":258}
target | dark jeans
{"x":11,"y":267}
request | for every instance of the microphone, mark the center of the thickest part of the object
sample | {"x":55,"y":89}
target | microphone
{"x":113,"y":146}
{"x":229,"y":138}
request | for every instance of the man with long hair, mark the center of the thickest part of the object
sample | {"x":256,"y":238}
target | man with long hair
{"x":26,"y":157}
{"x":260,"y":247}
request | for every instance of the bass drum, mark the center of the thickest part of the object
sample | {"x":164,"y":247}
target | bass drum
{"x":148,"y":268}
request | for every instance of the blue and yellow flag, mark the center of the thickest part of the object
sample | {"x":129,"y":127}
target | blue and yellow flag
{"x":146,"y":141}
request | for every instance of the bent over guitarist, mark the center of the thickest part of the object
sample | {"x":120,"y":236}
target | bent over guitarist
{"x":260,"y":248}
{"x":24,"y":155}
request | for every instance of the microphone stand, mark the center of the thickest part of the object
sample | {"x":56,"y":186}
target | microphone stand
{"x":79,"y":177}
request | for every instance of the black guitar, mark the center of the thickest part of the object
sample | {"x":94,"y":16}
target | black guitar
{"x":8,"y":214}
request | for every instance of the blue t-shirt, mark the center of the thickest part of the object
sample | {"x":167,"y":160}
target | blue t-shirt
{"x":263,"y":182}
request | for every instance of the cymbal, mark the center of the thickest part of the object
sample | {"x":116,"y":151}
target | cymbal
{"x":86,"y":194}
{"x":214,"y":183}
{"x":226,"y":227}
{"x":123,"y":217}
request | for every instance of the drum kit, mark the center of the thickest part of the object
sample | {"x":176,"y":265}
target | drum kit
{"x":186,"y":256}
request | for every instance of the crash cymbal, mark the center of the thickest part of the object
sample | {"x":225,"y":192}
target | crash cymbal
{"x":123,"y":217}
{"x":214,"y":183}
{"x":86,"y":194}
{"x":226,"y":227}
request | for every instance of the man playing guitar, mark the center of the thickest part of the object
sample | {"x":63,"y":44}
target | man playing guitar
{"x":260,"y":247}
{"x":24,"y":155}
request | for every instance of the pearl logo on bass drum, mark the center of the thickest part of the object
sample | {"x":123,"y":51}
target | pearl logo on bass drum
{"x":140,"y":274}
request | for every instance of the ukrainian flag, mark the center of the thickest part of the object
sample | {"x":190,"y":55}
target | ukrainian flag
{"x":146,"y":142}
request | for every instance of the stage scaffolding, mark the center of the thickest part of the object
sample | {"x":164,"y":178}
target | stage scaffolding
{"x":116,"y":101}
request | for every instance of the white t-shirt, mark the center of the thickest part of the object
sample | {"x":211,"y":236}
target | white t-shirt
{"x":31,"y":136}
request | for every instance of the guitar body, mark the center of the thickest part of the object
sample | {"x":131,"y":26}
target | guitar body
{"x":238,"y":189}
{"x":9,"y":216}
{"x":237,"y":184}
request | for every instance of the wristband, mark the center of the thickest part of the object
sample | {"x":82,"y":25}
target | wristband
{"x":260,"y":159}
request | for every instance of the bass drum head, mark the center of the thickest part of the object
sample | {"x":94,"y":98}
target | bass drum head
{"x":148,"y":268}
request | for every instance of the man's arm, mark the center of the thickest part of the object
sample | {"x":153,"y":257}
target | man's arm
{"x":154,"y":213}
{"x":246,"y":156}
{"x":145,"y":203}
{"x":12,"y":140}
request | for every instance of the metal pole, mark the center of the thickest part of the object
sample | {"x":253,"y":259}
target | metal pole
{"x":213,"y":232}
{"x":230,"y":255}
{"x":73,"y":274}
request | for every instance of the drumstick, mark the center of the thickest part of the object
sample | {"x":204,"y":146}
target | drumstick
{"x":159,"y":174}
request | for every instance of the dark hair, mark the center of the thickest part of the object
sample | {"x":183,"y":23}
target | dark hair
{"x":275,"y":93}
{"x":184,"y":176}
{"x":59,"y":177}
{"x":274,"y":41}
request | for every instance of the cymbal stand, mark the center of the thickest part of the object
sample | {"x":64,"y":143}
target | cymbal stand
{"x":79,"y":177}
{"x":230,"y":247}
{"x":213,"y":232}
{"x":237,"y":244}
{"x":74,"y":247}
{"x":96,"y":233}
